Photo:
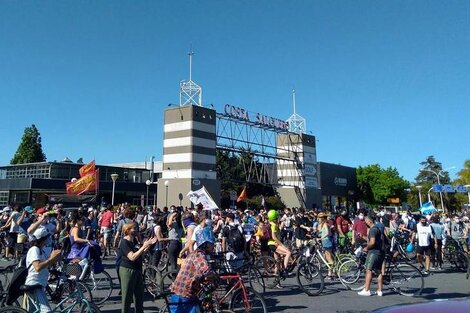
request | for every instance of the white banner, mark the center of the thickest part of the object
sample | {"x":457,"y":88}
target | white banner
{"x":201,"y":196}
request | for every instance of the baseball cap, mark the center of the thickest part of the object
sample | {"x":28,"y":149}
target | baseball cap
{"x":6,"y":209}
{"x":90,"y":209}
{"x":41,"y":232}
{"x":29,"y":209}
{"x":41,"y":211}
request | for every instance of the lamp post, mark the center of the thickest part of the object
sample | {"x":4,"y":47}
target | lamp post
{"x":114,"y":177}
{"x":166,"y":192}
{"x":419,"y":194}
{"x":438,"y":174}
{"x":429,"y":194}
{"x":148,"y":183}
{"x":468,"y":193}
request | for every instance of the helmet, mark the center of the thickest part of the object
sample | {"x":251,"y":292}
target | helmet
{"x":205,"y":235}
{"x":272,"y":215}
{"x":410,"y":247}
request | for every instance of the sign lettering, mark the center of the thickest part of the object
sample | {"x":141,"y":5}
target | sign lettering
{"x":242,"y":114}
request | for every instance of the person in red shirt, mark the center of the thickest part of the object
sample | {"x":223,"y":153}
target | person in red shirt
{"x":106,"y":226}
{"x":343,"y":226}
{"x":359,"y":231}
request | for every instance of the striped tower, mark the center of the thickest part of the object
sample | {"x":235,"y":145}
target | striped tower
{"x":301,"y":177}
{"x":189,"y":161}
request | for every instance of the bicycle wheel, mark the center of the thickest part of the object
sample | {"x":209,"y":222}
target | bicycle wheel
{"x":406,"y":279}
{"x":167,"y":280}
{"x":152,"y":278}
{"x":101,"y":285}
{"x":352,"y":275}
{"x":89,"y":307}
{"x":461,"y":261}
{"x":12,"y":309}
{"x":253,"y":302}
{"x":163,"y":264}
{"x":255,"y":278}
{"x":310,"y":279}
{"x":269,"y":270}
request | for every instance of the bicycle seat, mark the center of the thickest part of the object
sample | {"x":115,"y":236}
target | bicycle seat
{"x":26,"y":288}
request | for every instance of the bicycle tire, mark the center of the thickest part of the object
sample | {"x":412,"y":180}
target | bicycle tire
{"x":152,"y":278}
{"x":163,"y":263}
{"x":167,"y":279}
{"x":101,"y":285}
{"x":255,"y":279}
{"x":12,"y":309}
{"x":406,"y":279}
{"x":461,"y":261}
{"x":269,"y":269}
{"x":352,"y":275}
{"x":89,"y":307}
{"x":310,"y":279}
{"x":256,"y":302}
{"x":68,"y":289}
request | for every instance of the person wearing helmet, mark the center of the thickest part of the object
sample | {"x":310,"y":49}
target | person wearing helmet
{"x":194,"y":271}
{"x":275,"y":242}
{"x":37,"y":263}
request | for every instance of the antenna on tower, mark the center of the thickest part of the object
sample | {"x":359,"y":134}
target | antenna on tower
{"x":190,"y":92}
{"x":297,"y":123}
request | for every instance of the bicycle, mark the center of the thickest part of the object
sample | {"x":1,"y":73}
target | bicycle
{"x":72,"y":302}
{"x":320,"y":261}
{"x":455,"y":253}
{"x":402,"y":277}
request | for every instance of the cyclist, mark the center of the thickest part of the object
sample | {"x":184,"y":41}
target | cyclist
{"x":325,"y":238}
{"x":275,"y":242}
{"x":194,"y":271}
{"x":343,"y":225}
{"x":37,"y":262}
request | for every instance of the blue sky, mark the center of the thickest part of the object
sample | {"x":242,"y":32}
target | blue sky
{"x":382,"y":82}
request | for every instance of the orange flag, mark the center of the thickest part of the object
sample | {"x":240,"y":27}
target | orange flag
{"x":84,"y":184}
{"x":242,"y":195}
{"x":87,"y":169}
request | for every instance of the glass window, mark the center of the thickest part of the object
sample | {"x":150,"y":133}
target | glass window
{"x":4,"y":197}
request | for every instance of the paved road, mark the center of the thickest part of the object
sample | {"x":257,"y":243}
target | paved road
{"x":335,"y":298}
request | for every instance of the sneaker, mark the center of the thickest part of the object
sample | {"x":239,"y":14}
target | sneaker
{"x":432,"y":268}
{"x":425,"y":272}
{"x":364,"y":292}
{"x":278,"y":286}
{"x":379,"y":293}
{"x":439,"y":268}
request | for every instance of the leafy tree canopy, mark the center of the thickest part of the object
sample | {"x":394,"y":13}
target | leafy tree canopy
{"x":30,"y":148}
{"x":376,"y":185}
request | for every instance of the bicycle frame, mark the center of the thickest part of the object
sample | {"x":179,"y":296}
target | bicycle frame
{"x":239,"y":284}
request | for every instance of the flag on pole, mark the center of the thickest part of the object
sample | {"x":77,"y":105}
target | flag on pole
{"x":242,"y":195}
{"x":87,"y":169}
{"x":82,"y":185}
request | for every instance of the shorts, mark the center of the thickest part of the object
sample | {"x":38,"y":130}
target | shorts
{"x":423,"y":250}
{"x":374,"y":262}
{"x":11,"y":240}
{"x":106,"y":232}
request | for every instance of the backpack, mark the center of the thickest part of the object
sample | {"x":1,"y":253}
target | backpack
{"x":17,"y":280}
{"x":236,"y":241}
{"x":266,"y":232}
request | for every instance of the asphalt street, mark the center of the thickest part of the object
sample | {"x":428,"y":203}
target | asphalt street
{"x":445,"y":284}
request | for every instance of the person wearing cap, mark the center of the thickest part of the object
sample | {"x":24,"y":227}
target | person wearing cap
{"x":13,"y":227}
{"x":37,"y":263}
{"x":43,"y":222}
{"x":326,"y":241}
{"x":195,"y":271}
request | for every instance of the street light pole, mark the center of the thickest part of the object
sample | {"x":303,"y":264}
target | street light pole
{"x":148,"y":182}
{"x":166,"y":192}
{"x":429,"y":194}
{"x":468,"y":193}
{"x":438,"y":174}
{"x":419,"y":194}
{"x":114,"y":177}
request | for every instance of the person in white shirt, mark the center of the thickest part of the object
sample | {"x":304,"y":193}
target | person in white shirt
{"x":37,"y":263}
{"x":425,"y":243}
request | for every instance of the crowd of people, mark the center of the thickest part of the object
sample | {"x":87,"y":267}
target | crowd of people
{"x":189,"y":235}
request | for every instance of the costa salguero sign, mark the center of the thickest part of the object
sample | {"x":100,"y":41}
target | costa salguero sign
{"x":242,"y":114}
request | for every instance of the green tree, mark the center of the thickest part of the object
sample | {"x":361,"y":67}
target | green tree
{"x":376,"y":185}
{"x":30,"y":148}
